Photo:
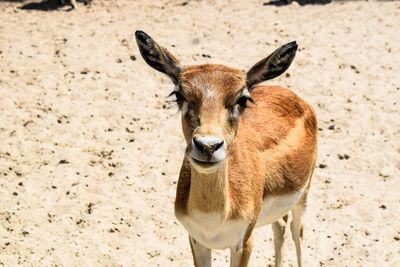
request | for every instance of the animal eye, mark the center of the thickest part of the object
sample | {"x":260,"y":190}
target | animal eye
{"x":179,"y":96}
{"x":242,"y":101}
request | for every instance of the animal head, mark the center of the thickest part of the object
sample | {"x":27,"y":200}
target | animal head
{"x":212,"y":97}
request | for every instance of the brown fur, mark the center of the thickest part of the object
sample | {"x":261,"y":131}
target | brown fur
{"x":272,"y":150}
{"x":238,"y":153}
{"x":275,"y":146}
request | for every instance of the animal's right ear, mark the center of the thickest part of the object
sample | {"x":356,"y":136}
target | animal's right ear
{"x":158,"y":57}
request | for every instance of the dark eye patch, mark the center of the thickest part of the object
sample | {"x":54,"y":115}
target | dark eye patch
{"x":179,"y":96}
{"x":243,"y":101}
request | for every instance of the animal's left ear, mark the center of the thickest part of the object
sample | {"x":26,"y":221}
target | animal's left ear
{"x":272,"y":66}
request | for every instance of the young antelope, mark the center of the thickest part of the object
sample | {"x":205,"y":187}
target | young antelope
{"x":250,"y":154}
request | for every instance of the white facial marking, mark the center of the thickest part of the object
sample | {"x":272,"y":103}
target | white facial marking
{"x":235,"y":111}
{"x":209,"y":93}
{"x":184,"y":109}
{"x":216,"y":156}
{"x":246,"y":92}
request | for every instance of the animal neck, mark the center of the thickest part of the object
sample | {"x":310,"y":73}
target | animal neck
{"x":209,"y":191}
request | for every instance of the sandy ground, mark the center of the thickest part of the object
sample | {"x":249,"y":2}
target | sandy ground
{"x":90,"y":148}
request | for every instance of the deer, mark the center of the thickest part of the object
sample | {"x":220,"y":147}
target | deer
{"x":250,"y":152}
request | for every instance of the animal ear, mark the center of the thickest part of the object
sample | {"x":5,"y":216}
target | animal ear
{"x":158,"y":57}
{"x":272,"y":66}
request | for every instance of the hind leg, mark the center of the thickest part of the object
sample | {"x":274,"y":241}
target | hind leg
{"x":296,"y":227}
{"x":278,"y":228}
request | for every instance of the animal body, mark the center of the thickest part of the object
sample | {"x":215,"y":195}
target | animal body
{"x":251,"y":150}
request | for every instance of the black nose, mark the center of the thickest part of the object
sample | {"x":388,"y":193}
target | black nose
{"x":206,"y":144}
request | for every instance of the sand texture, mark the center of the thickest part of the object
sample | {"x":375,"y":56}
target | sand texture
{"x":90,"y":148}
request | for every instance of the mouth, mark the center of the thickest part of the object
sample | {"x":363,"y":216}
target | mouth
{"x":204,"y":164}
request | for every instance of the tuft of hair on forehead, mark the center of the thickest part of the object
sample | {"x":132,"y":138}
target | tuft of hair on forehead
{"x":212,"y":79}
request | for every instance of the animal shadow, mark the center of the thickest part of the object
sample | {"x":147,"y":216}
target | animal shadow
{"x":49,"y":5}
{"x":301,"y":2}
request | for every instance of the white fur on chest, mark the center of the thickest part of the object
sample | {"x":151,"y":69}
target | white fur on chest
{"x":213,"y":230}
{"x":275,"y":207}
